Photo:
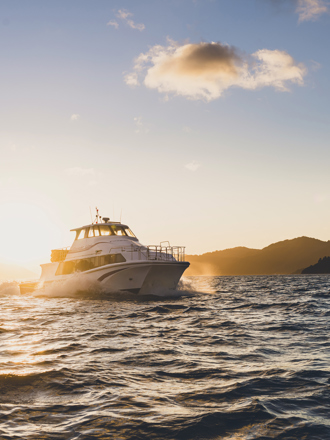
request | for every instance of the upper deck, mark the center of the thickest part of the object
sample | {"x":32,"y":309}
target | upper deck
{"x":103,"y":230}
{"x":94,"y":239}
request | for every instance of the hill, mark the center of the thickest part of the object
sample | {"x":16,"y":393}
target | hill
{"x":322,"y":266}
{"x":13,"y":272}
{"x":284,"y":257}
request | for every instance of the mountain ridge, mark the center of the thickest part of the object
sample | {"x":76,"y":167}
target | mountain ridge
{"x":283,"y":257}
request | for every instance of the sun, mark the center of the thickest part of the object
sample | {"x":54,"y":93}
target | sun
{"x":27,"y":232}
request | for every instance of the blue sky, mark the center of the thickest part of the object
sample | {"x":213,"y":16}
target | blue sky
{"x":245,"y":164}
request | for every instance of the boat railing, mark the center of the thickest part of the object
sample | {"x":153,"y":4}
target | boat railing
{"x":159,"y":252}
{"x":151,"y":252}
{"x":154,"y":252}
{"x":59,"y":255}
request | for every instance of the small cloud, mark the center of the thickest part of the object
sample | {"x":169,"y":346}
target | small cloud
{"x":79,"y":172}
{"x":307,"y":10}
{"x":206,"y":70}
{"x":310,"y":9}
{"x":113,"y":23}
{"x":140,"y":126}
{"x":192,"y":166}
{"x":131,"y":79}
{"x":125,"y":16}
{"x":315,"y":65}
{"x":75,"y":117}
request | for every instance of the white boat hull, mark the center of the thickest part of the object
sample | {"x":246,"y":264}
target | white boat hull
{"x":140,"y":277}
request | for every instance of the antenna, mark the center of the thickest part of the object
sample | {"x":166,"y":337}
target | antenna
{"x":97,"y":215}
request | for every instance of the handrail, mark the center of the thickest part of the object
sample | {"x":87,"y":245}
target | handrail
{"x":58,"y":255}
{"x":151,"y":252}
{"x":159,"y":252}
{"x":155,"y":252}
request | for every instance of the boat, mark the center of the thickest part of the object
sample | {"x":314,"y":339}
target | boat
{"x":108,"y":252}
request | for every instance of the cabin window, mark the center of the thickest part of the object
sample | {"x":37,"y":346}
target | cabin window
{"x":68,"y":267}
{"x":129,"y":233}
{"x":105,"y":230}
{"x":81,"y":234}
{"x":91,"y":232}
{"x":96,"y":231}
{"x":118,"y":230}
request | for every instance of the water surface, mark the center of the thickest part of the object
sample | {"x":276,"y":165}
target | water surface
{"x":221,"y":358}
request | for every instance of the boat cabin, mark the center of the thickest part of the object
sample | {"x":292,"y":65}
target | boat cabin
{"x":104,"y":229}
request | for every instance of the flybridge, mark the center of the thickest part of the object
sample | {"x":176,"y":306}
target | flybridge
{"x":105,"y":223}
{"x":104,"y":229}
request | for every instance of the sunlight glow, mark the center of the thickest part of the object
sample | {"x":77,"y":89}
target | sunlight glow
{"x":30,"y":233}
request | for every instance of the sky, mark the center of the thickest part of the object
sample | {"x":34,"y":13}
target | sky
{"x":201,"y":122}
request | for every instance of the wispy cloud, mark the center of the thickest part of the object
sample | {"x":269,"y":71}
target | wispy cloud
{"x":140,"y":126}
{"x":192,"y":166}
{"x":310,"y":9}
{"x":206,"y":70}
{"x":126,"y":17}
{"x":79,"y":172}
{"x":131,"y":79}
{"x":75,"y":117}
{"x":307,"y":10}
{"x":113,"y":23}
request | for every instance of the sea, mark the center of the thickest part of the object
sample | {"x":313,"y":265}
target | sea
{"x":239,"y":358}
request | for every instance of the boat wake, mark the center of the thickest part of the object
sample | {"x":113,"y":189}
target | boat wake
{"x":8,"y":288}
{"x":82,"y":287}
{"x":77,"y":286}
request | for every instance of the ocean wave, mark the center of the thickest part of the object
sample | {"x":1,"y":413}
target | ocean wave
{"x":8,"y":288}
{"x":231,"y":358}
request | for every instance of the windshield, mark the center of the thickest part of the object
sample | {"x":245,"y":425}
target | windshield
{"x":118,"y":230}
{"x":81,"y":234}
{"x":129,"y":233}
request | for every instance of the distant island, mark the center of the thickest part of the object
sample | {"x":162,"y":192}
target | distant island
{"x":284,"y":257}
{"x":322,"y":266}
{"x":14,"y":272}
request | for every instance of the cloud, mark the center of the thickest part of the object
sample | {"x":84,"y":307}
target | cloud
{"x":140,"y":127}
{"x":306,"y":9}
{"x":125,"y":16}
{"x":192,"y":166}
{"x":315,"y":65}
{"x":206,"y":70}
{"x":75,"y":117}
{"x":131,"y":79}
{"x":79,"y":172}
{"x":310,"y":9}
{"x":113,"y":23}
